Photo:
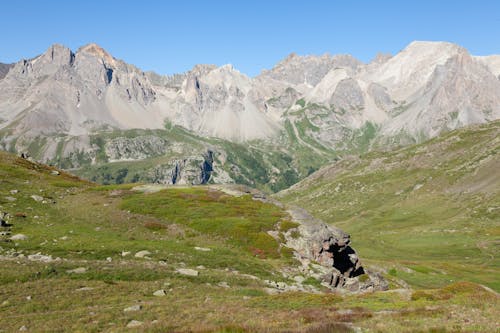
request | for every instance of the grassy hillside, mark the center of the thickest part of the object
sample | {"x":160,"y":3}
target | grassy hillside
{"x":79,"y":269}
{"x":428,"y":214}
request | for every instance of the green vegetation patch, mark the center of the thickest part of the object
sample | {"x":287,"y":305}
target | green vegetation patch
{"x":241,"y":221}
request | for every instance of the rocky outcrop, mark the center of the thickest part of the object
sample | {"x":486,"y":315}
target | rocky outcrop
{"x":193,"y":170}
{"x":137,"y":148}
{"x":315,"y":242}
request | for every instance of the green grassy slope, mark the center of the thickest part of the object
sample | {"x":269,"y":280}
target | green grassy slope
{"x":429,"y":214}
{"x":92,"y":228}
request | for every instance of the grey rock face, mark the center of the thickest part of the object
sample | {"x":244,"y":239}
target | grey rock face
{"x":348,"y":96}
{"x":330,"y":247}
{"x":309,"y":70}
{"x":193,"y":170}
{"x":380,"y":96}
{"x":4,"y":69}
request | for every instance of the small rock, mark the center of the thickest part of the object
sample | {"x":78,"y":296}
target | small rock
{"x":187,"y":271}
{"x":5,"y":303}
{"x":125,"y":253}
{"x":160,"y":293}
{"x":79,"y":270}
{"x":134,"y":323}
{"x":85,"y":289}
{"x":14,"y":191}
{"x":64,"y":238}
{"x":133,"y":308}
{"x":223,"y":284}
{"x":28,"y":298}
{"x":23,"y":328}
{"x":203,"y":249}
{"x":109,"y":259}
{"x":142,"y":254}
{"x":200,"y":267}
{"x":19,"y":237}
{"x":11,"y":199}
{"x":40,"y":257}
{"x":55,"y":173}
{"x":37,"y":198}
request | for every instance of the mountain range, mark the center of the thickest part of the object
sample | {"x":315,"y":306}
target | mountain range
{"x":81,"y":110}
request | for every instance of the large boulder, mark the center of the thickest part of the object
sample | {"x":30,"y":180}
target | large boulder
{"x":313,"y":241}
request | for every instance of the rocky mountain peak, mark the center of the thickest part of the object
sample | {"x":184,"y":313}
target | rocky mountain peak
{"x":56,"y":54}
{"x":201,"y":69}
{"x":97,"y":51}
{"x":345,"y":61}
{"x":381,"y":58}
{"x":435,"y":48}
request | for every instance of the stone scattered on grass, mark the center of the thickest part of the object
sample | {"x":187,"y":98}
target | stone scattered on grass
{"x":133,"y":308}
{"x":160,"y":293}
{"x":55,"y":173}
{"x":142,"y":254}
{"x":23,"y":328}
{"x":223,"y":284}
{"x":125,"y":253}
{"x":40,"y":257}
{"x":37,"y":198}
{"x":187,"y":271}
{"x":134,"y":323}
{"x":203,"y":249}
{"x":19,"y":237}
{"x":79,"y":270}
{"x":85,"y":289}
{"x":10,"y":199}
{"x":14,"y":191}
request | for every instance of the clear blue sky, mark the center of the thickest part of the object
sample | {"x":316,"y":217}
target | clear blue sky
{"x":172,"y":36}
